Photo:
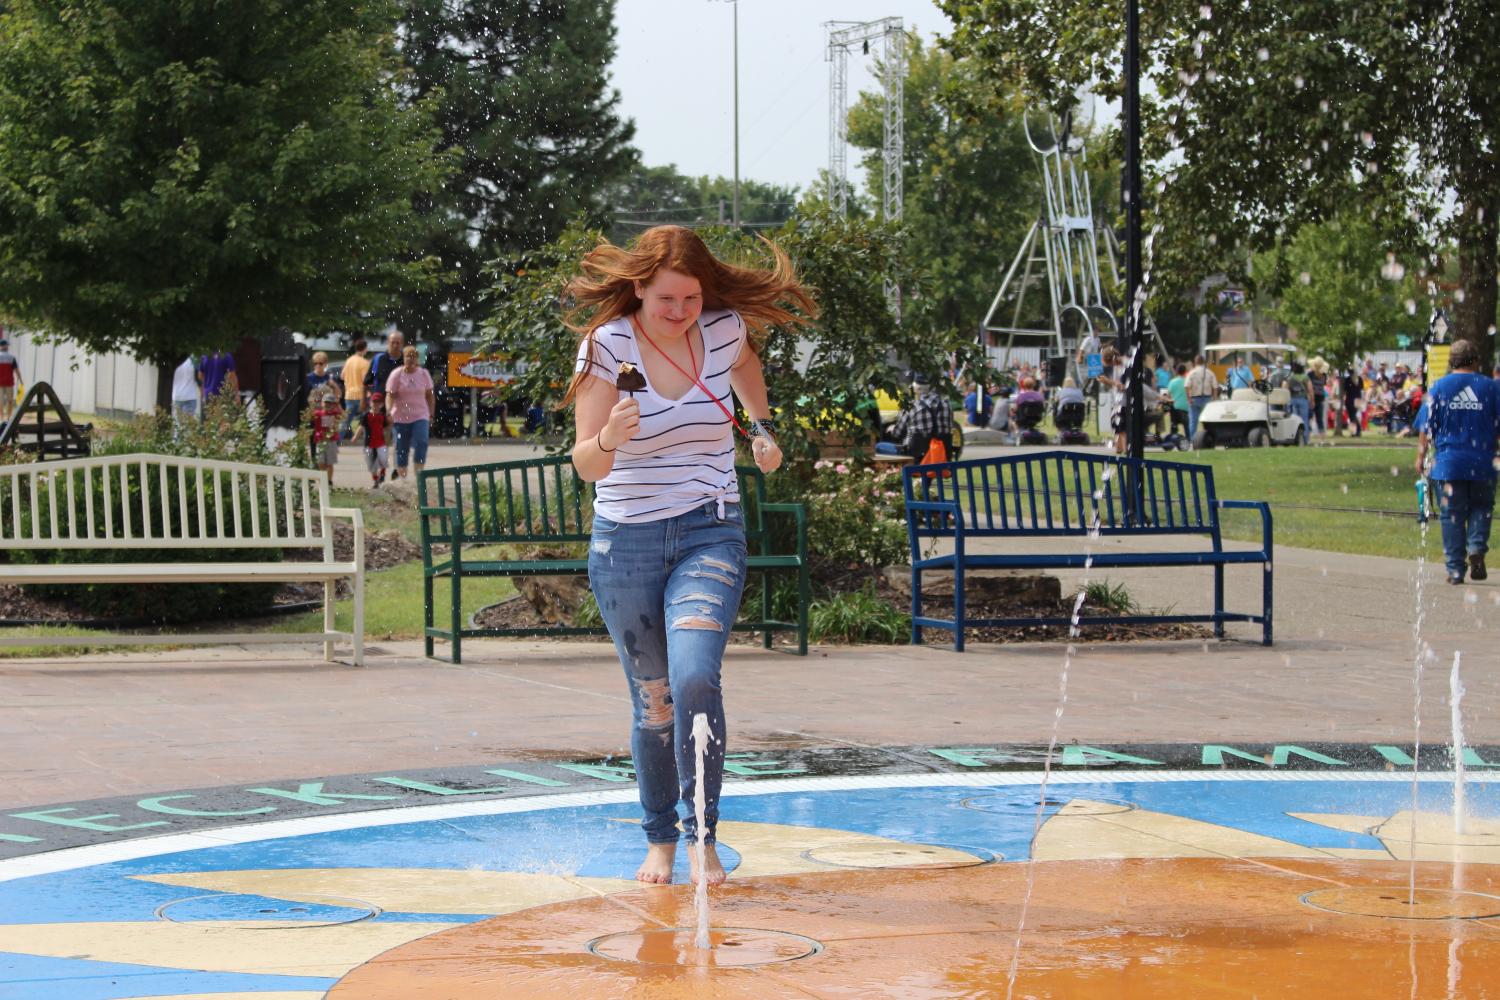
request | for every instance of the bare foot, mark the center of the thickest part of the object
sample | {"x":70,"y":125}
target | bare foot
{"x":657,"y":868}
{"x":711,"y":863}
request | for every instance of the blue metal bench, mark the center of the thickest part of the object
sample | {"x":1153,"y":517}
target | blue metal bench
{"x":1062,"y":494}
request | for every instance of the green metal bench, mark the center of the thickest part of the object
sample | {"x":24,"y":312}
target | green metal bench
{"x":542,"y":501}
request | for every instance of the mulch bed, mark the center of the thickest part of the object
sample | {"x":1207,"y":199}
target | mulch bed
{"x":517,"y":612}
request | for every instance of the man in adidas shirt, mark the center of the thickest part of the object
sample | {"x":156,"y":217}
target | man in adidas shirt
{"x":1463,"y":422}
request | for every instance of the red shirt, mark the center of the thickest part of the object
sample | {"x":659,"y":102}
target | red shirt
{"x":326,"y":425}
{"x":374,"y":424}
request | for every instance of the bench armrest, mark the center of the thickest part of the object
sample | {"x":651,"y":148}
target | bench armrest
{"x":798,"y":511}
{"x":356,"y":519}
{"x":1265,"y":518}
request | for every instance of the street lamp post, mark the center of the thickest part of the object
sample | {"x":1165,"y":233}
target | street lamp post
{"x":735,"y":217}
{"x":1134,"y":308}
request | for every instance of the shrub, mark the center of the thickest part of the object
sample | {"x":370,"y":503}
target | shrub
{"x":857,"y":616}
{"x":1109,"y":596}
{"x":854,"y":516}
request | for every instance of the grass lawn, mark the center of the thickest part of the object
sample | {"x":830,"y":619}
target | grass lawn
{"x":1360,"y":480}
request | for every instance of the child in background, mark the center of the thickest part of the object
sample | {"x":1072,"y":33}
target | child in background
{"x":373,"y":427}
{"x":326,"y":415}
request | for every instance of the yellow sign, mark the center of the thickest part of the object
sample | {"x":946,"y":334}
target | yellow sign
{"x":1437,"y":362}
{"x":466,"y":371}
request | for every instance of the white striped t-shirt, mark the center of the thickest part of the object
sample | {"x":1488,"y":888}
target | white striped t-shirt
{"x":683,"y":453}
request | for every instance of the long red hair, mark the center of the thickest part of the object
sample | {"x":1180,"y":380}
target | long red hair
{"x":605,"y":290}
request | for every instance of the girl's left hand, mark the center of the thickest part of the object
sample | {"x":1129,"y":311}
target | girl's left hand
{"x":767,"y":454}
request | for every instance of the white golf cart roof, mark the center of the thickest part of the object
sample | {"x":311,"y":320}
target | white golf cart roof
{"x":1234,"y":348}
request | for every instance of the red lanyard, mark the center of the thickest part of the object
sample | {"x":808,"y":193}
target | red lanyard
{"x":693,"y":355}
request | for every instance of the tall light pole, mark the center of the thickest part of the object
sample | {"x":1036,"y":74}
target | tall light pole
{"x":736,"y":216}
{"x":1134,"y":307}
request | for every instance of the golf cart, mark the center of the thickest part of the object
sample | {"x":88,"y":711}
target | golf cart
{"x":1255,"y":417}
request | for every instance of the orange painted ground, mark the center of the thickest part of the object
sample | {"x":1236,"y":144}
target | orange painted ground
{"x":1157,"y":929}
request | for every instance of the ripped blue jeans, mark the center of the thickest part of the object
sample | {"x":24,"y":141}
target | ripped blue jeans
{"x":669,"y":592}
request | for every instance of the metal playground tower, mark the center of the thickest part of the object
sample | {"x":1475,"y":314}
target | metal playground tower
{"x":1063,"y":247}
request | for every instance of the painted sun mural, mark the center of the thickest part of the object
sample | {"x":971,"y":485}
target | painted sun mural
{"x":1150,"y":888}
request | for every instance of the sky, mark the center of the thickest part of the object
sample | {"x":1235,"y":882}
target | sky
{"x":674,"y":70}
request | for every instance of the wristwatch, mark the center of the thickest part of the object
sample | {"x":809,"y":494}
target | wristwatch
{"x":763,"y":428}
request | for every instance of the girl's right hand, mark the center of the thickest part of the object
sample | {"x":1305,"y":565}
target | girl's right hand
{"x":624,"y":422}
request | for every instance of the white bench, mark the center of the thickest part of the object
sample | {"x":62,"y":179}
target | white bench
{"x":149,"y":503}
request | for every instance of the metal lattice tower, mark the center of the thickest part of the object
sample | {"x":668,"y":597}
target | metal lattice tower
{"x":1064,"y":243}
{"x":841,"y":36}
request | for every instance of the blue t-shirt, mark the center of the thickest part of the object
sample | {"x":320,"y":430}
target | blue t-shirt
{"x":1163,"y":378}
{"x":1241,"y":377}
{"x":976,"y":416}
{"x":1463,"y":420}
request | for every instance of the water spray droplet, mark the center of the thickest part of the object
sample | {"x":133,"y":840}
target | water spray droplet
{"x":1323,"y":106}
{"x":1305,"y":278}
{"x":1262,"y":53}
{"x":1411,"y":307}
{"x":1298,"y":82}
{"x":1459,"y":294}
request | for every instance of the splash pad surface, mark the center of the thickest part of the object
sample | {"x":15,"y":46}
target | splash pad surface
{"x":1145,"y":883}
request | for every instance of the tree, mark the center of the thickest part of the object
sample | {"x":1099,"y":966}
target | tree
{"x":653,"y":195}
{"x":523,"y":100}
{"x":816,"y":379}
{"x":1338,"y":300}
{"x":970,"y":182}
{"x":174,"y":176}
{"x":1269,"y":114}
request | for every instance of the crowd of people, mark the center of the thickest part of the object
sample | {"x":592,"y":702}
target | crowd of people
{"x":386,"y":403}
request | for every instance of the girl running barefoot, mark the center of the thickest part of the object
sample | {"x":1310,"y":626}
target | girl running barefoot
{"x":668,"y":332}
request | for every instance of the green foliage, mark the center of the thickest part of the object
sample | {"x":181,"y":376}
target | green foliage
{"x":1110,"y":597}
{"x":969,"y":180}
{"x":1263,"y":116}
{"x":652,"y":195}
{"x":522,"y":96}
{"x":816,"y":378}
{"x":176,"y":175}
{"x":855,"y":517}
{"x":588,"y":614}
{"x":1333,"y":292}
{"x":857,"y":616}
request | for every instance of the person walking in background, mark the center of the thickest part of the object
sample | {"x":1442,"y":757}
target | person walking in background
{"x":356,"y":367}
{"x":1300,"y":391}
{"x":10,"y":376}
{"x":219,"y":375}
{"x":1317,"y":381}
{"x":325,"y":414}
{"x":187,"y":391}
{"x":977,"y":406}
{"x":1201,"y":386}
{"x":412,"y":403}
{"x":384,"y":363}
{"x":683,"y":331}
{"x":1463,"y":423}
{"x":1352,"y":387}
{"x":319,"y":377}
{"x":372,"y":427}
{"x":1181,"y":405}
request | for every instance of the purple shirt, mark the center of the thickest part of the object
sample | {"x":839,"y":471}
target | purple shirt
{"x":216,"y":369}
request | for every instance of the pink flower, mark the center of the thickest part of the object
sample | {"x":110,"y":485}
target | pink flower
{"x":841,"y":468}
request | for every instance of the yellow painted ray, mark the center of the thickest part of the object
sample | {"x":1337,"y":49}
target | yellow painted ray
{"x":777,"y":849}
{"x":1084,"y":830}
{"x":1436,"y":840}
{"x":403,"y":890}
{"x":217,"y":946}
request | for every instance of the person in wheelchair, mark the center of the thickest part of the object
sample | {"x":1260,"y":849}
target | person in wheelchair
{"x":1069,"y":410}
{"x":1027,"y":412}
